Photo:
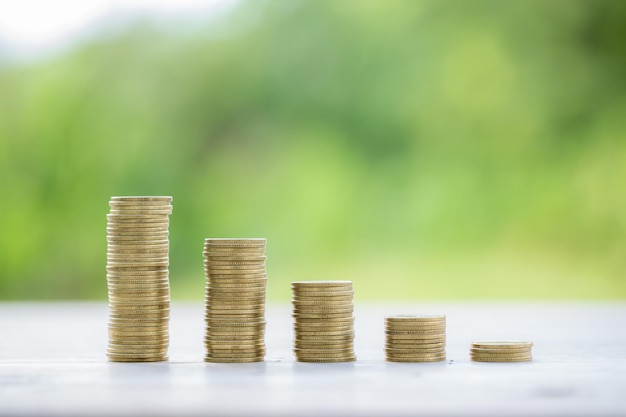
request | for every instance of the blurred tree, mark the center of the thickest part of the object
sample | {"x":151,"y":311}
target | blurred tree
{"x":421,"y":148}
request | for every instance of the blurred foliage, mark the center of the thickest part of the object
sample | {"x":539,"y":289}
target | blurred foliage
{"x":423,"y":149}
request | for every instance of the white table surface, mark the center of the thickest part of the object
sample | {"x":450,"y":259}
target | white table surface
{"x":53,"y":363}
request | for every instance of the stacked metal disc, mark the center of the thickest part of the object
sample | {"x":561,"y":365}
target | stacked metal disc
{"x":415,"y":338}
{"x":324,"y":321}
{"x":501,"y":351}
{"x":137,"y":278}
{"x":236,"y":281}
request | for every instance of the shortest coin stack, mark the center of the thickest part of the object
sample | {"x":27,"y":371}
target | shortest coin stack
{"x":324,"y":321}
{"x":501,"y":351}
{"x":415,"y":338}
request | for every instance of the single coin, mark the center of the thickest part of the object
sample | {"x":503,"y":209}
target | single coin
{"x":527,"y":358}
{"x":147,"y":285}
{"x":233,"y":360}
{"x":242,"y":277}
{"x":136,"y":198}
{"x":328,"y":360}
{"x":415,"y":318}
{"x":500,"y":351}
{"x":502,"y":344}
{"x":136,"y":358}
{"x":234,"y":242}
{"x":415,"y":360}
{"x":417,"y":343}
{"x":440,"y":356}
{"x":315,"y":284}
{"x":139,"y":320}
{"x":113,"y":229}
{"x":157,"y":211}
{"x":323,"y":316}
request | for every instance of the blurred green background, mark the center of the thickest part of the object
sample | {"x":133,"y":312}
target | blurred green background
{"x":422,"y":149}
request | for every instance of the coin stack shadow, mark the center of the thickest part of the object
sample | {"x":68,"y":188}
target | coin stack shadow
{"x":323,"y":314}
{"x":236,"y":283}
{"x":415,"y":338}
{"x":501,"y":351}
{"x":137,"y":278}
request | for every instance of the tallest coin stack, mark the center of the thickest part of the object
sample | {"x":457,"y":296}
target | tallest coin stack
{"x":137,"y":278}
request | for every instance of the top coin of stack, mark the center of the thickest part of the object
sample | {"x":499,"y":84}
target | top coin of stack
{"x":137,"y":278}
{"x":324,"y":321}
{"x":501,"y":351}
{"x":236,"y":281}
{"x":415,"y":338}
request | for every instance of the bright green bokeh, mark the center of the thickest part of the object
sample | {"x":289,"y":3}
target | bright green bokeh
{"x":423,"y":149}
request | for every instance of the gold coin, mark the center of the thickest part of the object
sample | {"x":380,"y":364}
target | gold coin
{"x":235,"y":302}
{"x":322,"y":326}
{"x":114,"y":229}
{"x":136,"y":358}
{"x":411,"y":355}
{"x":415,"y":332}
{"x":119,"y":320}
{"x":140,"y":211}
{"x":328,"y":360}
{"x":415,"y":351}
{"x":322,"y":308}
{"x":235,"y":242}
{"x":144,"y":248}
{"x":123,"y":344}
{"x":403,"y":318}
{"x":317,"y":284}
{"x":226,"y":269}
{"x":409,"y":344}
{"x":133,"y":350}
{"x":236,"y":286}
{"x":143,"y":287}
{"x":233,"y":360}
{"x":499,"y":351}
{"x":235,"y":258}
{"x":140,"y":208}
{"x":233,"y":347}
{"x":228,"y":322}
{"x":415,"y":360}
{"x":323,"y":346}
{"x":142,"y":198}
{"x":527,"y":358}
{"x":239,"y":356}
{"x":322,"y":294}
{"x":142,"y":251}
{"x":322,"y":316}
{"x":242,"y":277}
{"x":500,"y":357}
{"x":502,"y":344}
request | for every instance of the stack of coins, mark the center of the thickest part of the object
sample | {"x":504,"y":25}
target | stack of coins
{"x":324,"y":321}
{"x":137,"y":278}
{"x":235,"y":300}
{"x":501,"y":351}
{"x":415,"y":338}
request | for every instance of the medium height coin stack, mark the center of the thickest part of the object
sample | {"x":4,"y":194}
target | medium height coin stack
{"x":137,"y":278}
{"x":415,"y":338}
{"x":324,"y":321}
{"x":236,"y":281}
